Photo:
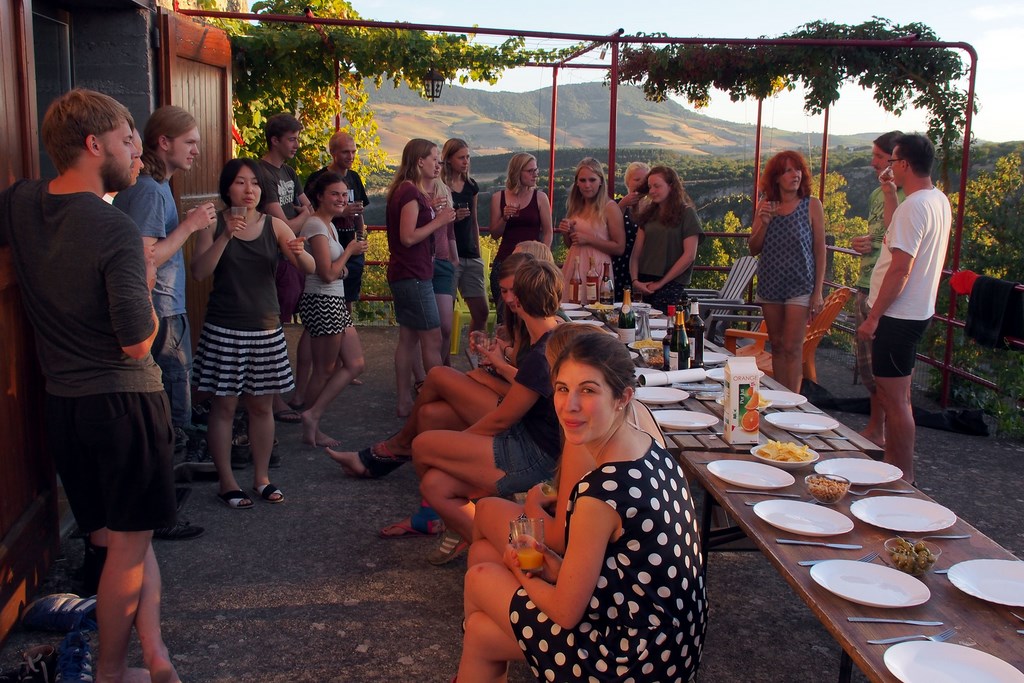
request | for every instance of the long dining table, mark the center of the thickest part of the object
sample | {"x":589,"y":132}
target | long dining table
{"x":981,"y":625}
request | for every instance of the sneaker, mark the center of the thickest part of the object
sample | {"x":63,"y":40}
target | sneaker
{"x":58,"y":612}
{"x":74,"y":659}
{"x":182,"y":531}
{"x":450,"y":546}
{"x":39,"y":665}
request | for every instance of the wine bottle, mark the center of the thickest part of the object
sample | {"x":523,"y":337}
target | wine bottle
{"x":607,"y":294}
{"x":576,"y":283}
{"x":681,"y":348}
{"x":627,"y":319}
{"x":684,"y":304}
{"x":593,"y":280}
{"x":666,"y":341}
{"x":696,"y":325}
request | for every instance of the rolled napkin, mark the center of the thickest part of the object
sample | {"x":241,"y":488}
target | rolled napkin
{"x":660,"y":378}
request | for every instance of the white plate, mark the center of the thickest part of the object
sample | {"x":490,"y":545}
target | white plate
{"x":588,"y":321}
{"x":750,"y":475}
{"x":570,"y":306}
{"x":802,"y":422}
{"x":659,"y":323}
{"x":659,"y":396}
{"x":803,"y":518}
{"x":998,"y":581}
{"x":684,"y":419}
{"x":925,"y":662}
{"x":900,"y":513}
{"x":712,"y":358}
{"x":783,"y":399}
{"x":575,"y":315}
{"x":860,"y":471}
{"x":870,"y":584}
{"x":658,"y":335}
{"x":755,"y":451}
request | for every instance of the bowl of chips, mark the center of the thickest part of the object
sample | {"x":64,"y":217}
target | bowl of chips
{"x":785,"y":455}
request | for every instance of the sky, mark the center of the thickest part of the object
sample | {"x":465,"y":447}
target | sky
{"x":995,"y":29}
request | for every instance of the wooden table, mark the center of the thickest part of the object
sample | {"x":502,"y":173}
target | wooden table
{"x":982,"y":625}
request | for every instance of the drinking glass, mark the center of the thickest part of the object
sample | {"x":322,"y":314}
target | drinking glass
{"x":526,"y":535}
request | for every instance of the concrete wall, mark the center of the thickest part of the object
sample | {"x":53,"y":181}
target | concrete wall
{"x":113,"y":53}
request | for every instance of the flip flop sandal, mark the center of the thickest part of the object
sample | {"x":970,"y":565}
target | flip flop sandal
{"x":270,"y":493}
{"x":236,"y":500}
{"x":289,"y":416}
{"x":380,"y":464}
{"x":424,"y":523}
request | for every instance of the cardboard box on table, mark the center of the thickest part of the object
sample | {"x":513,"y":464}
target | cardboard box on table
{"x":741,"y":419}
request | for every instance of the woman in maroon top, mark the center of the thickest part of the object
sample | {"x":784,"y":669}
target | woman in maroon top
{"x":519,"y":213}
{"x":411,"y":224}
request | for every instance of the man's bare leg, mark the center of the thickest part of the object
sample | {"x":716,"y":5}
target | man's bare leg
{"x":900,"y":431}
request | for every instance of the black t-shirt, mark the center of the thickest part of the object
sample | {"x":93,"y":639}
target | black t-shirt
{"x":466,"y":239}
{"x":281,"y":185}
{"x":540,"y":420}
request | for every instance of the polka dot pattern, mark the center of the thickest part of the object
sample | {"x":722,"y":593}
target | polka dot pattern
{"x":647,"y":617}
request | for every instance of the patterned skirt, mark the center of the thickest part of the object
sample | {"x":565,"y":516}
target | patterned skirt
{"x":234,"y":362}
{"x":324,"y":314}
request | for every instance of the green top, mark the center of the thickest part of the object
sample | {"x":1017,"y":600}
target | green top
{"x":876,"y":228}
{"x":663,"y":245}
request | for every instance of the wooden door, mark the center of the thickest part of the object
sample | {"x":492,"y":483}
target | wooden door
{"x":195,"y":74}
{"x":29,"y":539}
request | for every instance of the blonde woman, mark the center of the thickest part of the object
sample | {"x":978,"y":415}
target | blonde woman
{"x":592,"y":226}
{"x":412,"y":224}
{"x":634,"y":201}
{"x":519,"y":212}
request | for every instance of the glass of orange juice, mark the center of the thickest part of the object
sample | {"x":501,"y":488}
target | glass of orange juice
{"x":527,"y":535}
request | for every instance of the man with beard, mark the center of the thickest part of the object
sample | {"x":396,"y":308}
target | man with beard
{"x":86,"y":288}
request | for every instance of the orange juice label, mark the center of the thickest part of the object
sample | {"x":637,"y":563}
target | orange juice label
{"x":742,"y":399}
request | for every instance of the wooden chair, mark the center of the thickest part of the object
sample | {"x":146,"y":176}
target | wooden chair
{"x":727,"y":305}
{"x":461,"y":315}
{"x":816,"y":330}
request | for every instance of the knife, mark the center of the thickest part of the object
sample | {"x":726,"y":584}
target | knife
{"x":875,"y":620}
{"x":763,"y":493}
{"x":839,"y":546}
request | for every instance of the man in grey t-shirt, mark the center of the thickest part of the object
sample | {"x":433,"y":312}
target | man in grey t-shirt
{"x":86,"y":288}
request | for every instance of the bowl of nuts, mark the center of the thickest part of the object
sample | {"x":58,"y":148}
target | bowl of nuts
{"x":827,"y":488}
{"x":913,"y":558}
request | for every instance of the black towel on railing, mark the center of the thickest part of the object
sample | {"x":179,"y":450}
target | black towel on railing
{"x":995,"y":311}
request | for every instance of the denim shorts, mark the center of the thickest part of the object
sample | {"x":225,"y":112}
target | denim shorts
{"x":415,"y":305}
{"x":802,"y":300}
{"x":522,"y":461}
{"x":444,"y":277}
{"x":172,"y":351}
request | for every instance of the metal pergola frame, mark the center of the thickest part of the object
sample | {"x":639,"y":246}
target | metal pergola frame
{"x":615,"y":39}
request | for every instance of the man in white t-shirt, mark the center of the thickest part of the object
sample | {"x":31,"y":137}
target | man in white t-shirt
{"x":903,"y":288}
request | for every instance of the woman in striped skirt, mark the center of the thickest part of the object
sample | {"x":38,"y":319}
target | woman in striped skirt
{"x":242,"y":349}
{"x":322,"y":306}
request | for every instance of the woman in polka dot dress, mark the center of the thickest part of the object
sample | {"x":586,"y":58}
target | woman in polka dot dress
{"x":627,"y":602}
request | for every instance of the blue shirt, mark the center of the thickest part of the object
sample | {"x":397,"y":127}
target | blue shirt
{"x":151,"y":205}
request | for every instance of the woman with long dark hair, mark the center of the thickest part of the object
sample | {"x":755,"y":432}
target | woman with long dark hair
{"x":666,"y":244}
{"x":788,"y":234}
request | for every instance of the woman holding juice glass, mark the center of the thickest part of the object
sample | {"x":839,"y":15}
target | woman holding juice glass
{"x":629,"y":586}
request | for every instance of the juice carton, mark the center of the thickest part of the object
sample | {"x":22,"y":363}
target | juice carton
{"x":742,"y":421}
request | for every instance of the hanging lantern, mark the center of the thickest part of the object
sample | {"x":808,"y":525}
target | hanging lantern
{"x":433,"y":83}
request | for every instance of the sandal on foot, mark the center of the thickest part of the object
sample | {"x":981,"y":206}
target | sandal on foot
{"x":270,"y":493}
{"x":58,"y":612}
{"x":378,"y":464}
{"x":236,"y":500}
{"x":424,"y":523}
{"x":297,"y":406}
{"x":289,"y":416}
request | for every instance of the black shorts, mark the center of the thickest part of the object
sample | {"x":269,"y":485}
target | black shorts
{"x":354,"y":280}
{"x":894,"y":350}
{"x":114,"y":455}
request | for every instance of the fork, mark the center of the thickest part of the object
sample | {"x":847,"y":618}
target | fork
{"x":810,"y":563}
{"x":867,"y":491}
{"x":937,"y":638}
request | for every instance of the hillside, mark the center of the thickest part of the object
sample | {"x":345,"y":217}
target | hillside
{"x":496,"y":122}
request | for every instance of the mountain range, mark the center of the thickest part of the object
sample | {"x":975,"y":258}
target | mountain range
{"x":496,"y":122}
